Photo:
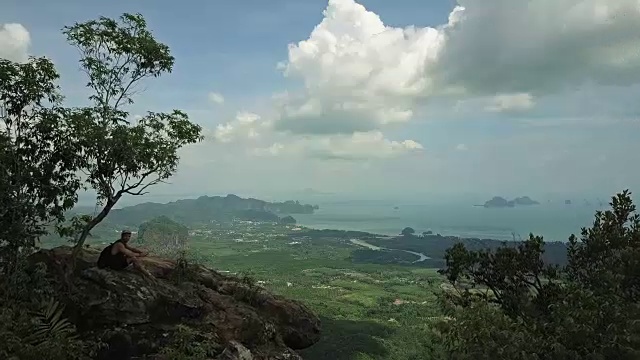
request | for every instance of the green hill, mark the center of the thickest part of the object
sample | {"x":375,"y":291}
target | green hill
{"x":210,"y":208}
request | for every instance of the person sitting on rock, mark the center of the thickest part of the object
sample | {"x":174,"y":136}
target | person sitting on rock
{"x":120,"y":255}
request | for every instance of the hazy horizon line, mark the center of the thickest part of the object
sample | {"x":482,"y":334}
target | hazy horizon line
{"x":86,"y":199}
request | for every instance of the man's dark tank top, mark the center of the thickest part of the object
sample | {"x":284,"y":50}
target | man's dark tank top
{"x":108,"y":260}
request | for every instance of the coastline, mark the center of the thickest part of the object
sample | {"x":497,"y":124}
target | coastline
{"x":470,"y":222}
{"x":390,"y":236}
{"x":429,"y":248}
{"x":552,"y":220}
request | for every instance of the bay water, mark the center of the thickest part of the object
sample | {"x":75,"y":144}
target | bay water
{"x":556,"y":222}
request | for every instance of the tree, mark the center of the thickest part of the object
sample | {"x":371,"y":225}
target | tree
{"x":407,"y":231}
{"x":37,"y":163}
{"x":608,"y":256}
{"x":508,"y":304}
{"x":121,"y":156}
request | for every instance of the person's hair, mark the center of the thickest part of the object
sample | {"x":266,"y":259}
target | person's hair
{"x":125,"y":232}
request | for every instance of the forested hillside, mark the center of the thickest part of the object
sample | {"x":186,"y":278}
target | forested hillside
{"x":207,"y":208}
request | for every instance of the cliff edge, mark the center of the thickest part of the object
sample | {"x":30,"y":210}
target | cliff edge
{"x":136,"y":317}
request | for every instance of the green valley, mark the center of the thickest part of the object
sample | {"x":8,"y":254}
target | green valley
{"x":368,"y":311}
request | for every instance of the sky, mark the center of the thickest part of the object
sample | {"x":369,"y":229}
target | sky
{"x":373,"y":99}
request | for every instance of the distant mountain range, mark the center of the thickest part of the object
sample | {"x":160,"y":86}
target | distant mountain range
{"x":207,"y":208}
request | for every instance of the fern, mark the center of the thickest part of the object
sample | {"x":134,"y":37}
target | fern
{"x":49,"y":324}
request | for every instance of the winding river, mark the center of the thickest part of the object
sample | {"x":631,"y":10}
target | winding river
{"x":421,"y":256}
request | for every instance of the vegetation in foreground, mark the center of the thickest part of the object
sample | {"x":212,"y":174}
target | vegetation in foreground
{"x":589,"y":309}
{"x":504,"y":303}
{"x":49,"y":152}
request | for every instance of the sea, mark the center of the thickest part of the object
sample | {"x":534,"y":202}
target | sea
{"x":555,"y":221}
{"x":552,"y":219}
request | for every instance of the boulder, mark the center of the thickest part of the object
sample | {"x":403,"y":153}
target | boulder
{"x":137,"y":316}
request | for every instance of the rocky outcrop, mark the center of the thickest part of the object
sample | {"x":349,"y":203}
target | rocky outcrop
{"x":498,"y":202}
{"x":137,"y":316}
{"x":525,"y":200}
{"x":164,"y":233}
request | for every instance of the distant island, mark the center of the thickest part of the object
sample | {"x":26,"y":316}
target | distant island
{"x":500,"y":202}
{"x":206,"y":209}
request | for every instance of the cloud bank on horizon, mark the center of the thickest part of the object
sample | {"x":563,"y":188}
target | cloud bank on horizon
{"x":362,"y":83}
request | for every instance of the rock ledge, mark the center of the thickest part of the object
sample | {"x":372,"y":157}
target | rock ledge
{"x":137,"y":317}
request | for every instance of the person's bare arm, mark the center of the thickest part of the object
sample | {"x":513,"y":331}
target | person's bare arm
{"x":122,"y":248}
{"x":136,"y":250}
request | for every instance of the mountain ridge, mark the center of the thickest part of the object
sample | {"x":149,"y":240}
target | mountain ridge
{"x":205,"y":209}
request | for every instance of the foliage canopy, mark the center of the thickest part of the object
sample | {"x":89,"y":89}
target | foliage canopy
{"x":38,"y":182}
{"x":120,"y":155}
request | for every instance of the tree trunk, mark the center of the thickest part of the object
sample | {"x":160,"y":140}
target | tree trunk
{"x":90,"y":225}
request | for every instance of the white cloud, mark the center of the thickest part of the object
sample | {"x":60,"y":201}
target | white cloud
{"x":362,"y":75}
{"x":274,"y":150}
{"x":333,"y":114}
{"x":14,"y":42}
{"x":359,"y":74}
{"x":357,"y":146}
{"x":246,"y":125}
{"x":257,"y":137}
{"x":537,"y":47}
{"x":216,"y":98}
{"x":510,"y":102}
{"x":462,"y":147}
